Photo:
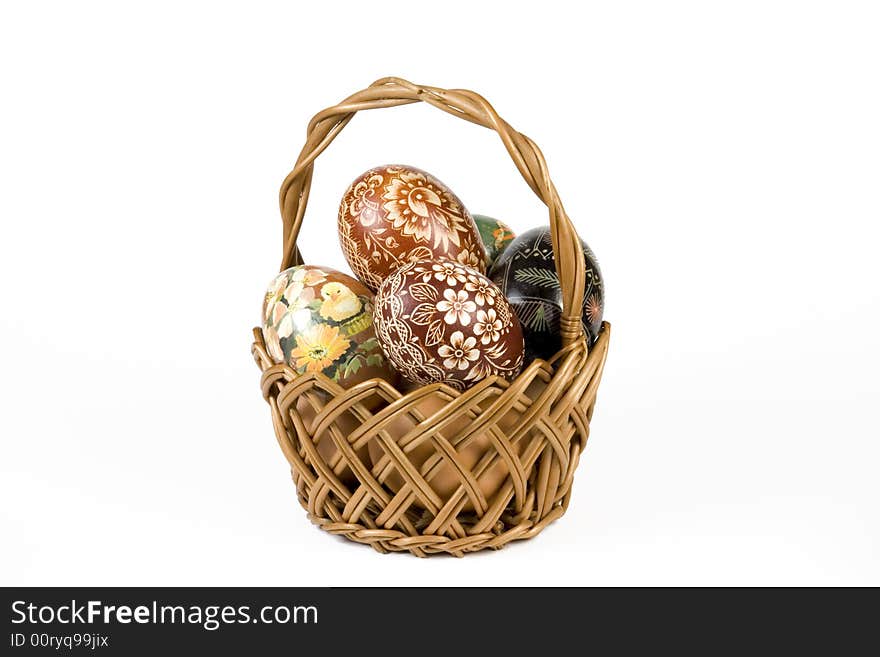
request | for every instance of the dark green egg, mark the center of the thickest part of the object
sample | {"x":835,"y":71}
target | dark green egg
{"x":496,"y":235}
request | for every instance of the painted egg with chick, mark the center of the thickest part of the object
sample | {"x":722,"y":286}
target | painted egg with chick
{"x":394,"y":214}
{"x":526,"y":273}
{"x":440,"y":321}
{"x":317,"y":319}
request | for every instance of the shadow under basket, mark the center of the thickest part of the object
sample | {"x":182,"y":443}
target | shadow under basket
{"x":432,"y":469}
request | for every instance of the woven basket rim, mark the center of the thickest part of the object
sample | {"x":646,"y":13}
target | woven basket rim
{"x":547,"y":366}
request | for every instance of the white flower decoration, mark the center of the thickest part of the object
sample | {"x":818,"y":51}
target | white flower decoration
{"x":488,"y":326}
{"x":460,"y":352}
{"x":449,"y":272}
{"x":456,"y":305}
{"x":485,"y":293}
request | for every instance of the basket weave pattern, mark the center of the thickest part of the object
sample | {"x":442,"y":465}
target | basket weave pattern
{"x":533,"y":428}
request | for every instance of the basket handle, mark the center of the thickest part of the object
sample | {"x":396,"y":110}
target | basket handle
{"x":391,"y":92}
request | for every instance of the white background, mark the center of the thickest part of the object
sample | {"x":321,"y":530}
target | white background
{"x":722,"y":159}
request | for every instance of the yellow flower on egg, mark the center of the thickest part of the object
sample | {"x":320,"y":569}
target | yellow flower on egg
{"x":317,"y":347}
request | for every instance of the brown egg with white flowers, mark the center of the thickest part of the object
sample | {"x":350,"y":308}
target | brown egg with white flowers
{"x":440,"y":321}
{"x":395,"y":214}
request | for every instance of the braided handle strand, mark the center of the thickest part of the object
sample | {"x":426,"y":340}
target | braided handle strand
{"x":391,"y":92}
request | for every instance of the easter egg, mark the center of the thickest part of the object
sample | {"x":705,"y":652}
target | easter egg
{"x":440,"y":321}
{"x":318,"y":320}
{"x":526,"y":274}
{"x":394,"y":214}
{"x":496,"y":235}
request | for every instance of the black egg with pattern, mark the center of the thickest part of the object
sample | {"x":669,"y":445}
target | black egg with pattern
{"x":526,"y":273}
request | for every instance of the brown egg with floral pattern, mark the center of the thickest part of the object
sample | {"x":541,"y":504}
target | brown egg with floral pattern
{"x":395,"y":214}
{"x":318,"y":320}
{"x":440,"y":321}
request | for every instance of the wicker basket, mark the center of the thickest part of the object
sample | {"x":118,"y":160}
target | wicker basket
{"x":532,"y":429}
